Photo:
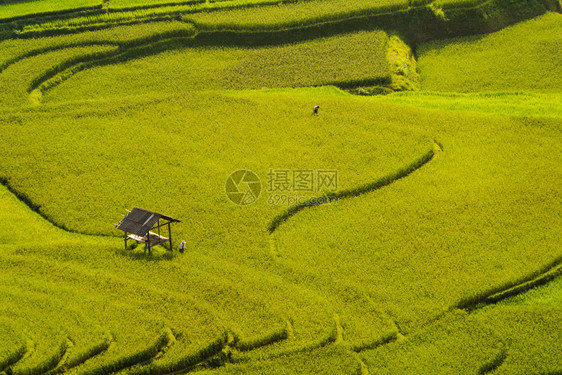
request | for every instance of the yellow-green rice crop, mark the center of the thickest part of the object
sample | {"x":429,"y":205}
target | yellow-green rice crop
{"x":447,"y":4}
{"x":116,"y":4}
{"x":442,"y":212}
{"x":260,"y":11}
{"x":525,"y":56}
{"x":308,"y":293}
{"x":408,"y":212}
{"x":347,"y":60}
{"x":480,"y":170}
{"x":134,"y":12}
{"x":532,"y":334}
{"x":329,"y":360}
{"x":500,"y":103}
{"x":309,"y":328}
{"x":124,"y":36}
{"x":12,"y":8}
{"x":549,"y":294}
{"x":530,"y":323}
{"x":292,"y":15}
{"x":455,"y":344}
{"x":16,"y":79}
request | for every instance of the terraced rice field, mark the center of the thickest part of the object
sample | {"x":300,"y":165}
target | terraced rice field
{"x":415,"y":232}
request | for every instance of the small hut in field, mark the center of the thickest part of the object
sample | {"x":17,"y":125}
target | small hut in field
{"x":145,"y":226}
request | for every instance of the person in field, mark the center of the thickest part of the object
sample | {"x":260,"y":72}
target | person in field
{"x":182,"y":246}
{"x":315,"y":109}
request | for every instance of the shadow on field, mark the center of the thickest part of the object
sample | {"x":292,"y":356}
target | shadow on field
{"x":435,"y":46}
{"x":156,"y":254}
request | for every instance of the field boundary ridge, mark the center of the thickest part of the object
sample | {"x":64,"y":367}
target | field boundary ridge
{"x":416,"y":21}
{"x":353,"y":192}
{"x":523,"y":284}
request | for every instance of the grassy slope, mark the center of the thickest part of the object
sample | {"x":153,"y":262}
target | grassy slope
{"x":468,"y":201}
{"x":420,"y":20}
{"x":51,"y":297}
{"x":17,"y":49}
{"x":531,"y":334}
{"x":457,"y":157}
{"x":329,"y":360}
{"x":530,"y":322}
{"x":109,"y":295}
{"x":500,"y":103}
{"x":527,"y":323}
{"x":550,"y":294}
{"x":291,"y":15}
{"x":116,"y":4}
{"x":456,"y":344}
{"x":16,"y":79}
{"x":525,"y":56}
{"x":312,"y":319}
{"x":341,"y":59}
{"x":241,"y":125}
{"x":318,"y":8}
{"x":233,"y":278}
{"x":22,"y":8}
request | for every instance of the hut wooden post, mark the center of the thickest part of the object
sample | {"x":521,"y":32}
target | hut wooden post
{"x":170,"y":236}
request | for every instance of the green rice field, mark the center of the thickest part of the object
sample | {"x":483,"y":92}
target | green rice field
{"x":362,"y":187}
